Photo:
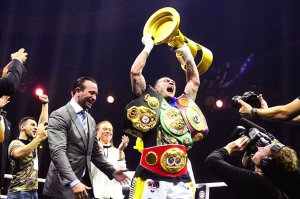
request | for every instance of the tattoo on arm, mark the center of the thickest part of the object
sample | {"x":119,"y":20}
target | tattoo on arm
{"x":192,"y":79}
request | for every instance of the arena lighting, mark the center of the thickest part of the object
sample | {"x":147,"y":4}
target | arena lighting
{"x":219,"y":103}
{"x":110,"y":99}
{"x":39,"y":91}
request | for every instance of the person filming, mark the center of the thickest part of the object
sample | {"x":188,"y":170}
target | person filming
{"x":275,"y":173}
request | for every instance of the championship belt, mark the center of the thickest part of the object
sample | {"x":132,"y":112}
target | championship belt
{"x":142,"y":114}
{"x":193,"y":117}
{"x":166,"y":160}
{"x":174,"y":124}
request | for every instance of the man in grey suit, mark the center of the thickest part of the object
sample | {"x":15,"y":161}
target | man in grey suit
{"x":73,"y":146}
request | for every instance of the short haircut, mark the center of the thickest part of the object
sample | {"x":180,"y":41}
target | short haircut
{"x":156,"y":82}
{"x":24,"y":120}
{"x":80,"y":83}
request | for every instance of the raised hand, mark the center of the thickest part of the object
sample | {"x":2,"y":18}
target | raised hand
{"x":263,"y":102}
{"x":41,"y":132}
{"x":21,"y":55}
{"x":44,"y":98}
{"x":124,"y":143}
{"x":238,"y":145}
{"x":148,"y":42}
{"x":185,"y":52}
{"x":3,"y":101}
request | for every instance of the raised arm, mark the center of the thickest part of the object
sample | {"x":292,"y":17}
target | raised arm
{"x":218,"y":162}
{"x":44,"y":113}
{"x":13,"y":73}
{"x":122,"y":146}
{"x":192,"y":74}
{"x":138,"y":82}
{"x":289,"y":113}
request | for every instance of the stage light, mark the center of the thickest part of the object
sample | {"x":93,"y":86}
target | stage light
{"x":110,"y":99}
{"x":39,"y":91}
{"x":219,"y":103}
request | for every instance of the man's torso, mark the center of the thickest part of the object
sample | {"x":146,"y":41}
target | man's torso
{"x":24,"y":173}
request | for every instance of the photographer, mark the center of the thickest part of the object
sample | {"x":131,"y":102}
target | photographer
{"x":275,"y":174}
{"x":289,"y":113}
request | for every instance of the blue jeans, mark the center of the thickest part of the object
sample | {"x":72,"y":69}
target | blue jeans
{"x":23,"y":195}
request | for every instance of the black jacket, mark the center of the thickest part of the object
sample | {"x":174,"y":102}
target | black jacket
{"x":9,"y":84}
{"x":245,"y":183}
{"x":4,"y":163}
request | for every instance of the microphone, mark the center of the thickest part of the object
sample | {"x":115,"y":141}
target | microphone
{"x":251,"y":124}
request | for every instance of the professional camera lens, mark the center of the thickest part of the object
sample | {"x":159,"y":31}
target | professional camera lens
{"x":235,"y":101}
{"x":260,"y":139}
{"x":248,"y":97}
{"x":251,"y":98}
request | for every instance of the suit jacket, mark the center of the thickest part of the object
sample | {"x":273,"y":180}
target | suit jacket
{"x":10,"y":83}
{"x":71,"y":152}
{"x":3,"y":159}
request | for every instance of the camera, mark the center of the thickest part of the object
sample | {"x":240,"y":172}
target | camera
{"x":258,"y":136}
{"x":248,"y":97}
{"x":258,"y":139}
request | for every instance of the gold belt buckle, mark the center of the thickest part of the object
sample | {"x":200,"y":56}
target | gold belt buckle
{"x":175,"y":122}
{"x":173,"y":160}
{"x":142,"y":118}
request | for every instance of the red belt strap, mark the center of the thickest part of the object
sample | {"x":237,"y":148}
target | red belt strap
{"x":167,"y":160}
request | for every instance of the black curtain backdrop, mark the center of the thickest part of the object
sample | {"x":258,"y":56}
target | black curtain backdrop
{"x":256,"y":46}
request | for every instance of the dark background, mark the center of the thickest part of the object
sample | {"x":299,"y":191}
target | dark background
{"x":256,"y":46}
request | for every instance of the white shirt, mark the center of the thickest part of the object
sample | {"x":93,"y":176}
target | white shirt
{"x":103,"y":187}
{"x":76,"y":106}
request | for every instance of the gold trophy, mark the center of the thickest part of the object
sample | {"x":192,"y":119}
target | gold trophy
{"x":164,"y":27}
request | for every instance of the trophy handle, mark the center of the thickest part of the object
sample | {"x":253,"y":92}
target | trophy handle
{"x":206,"y":60}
